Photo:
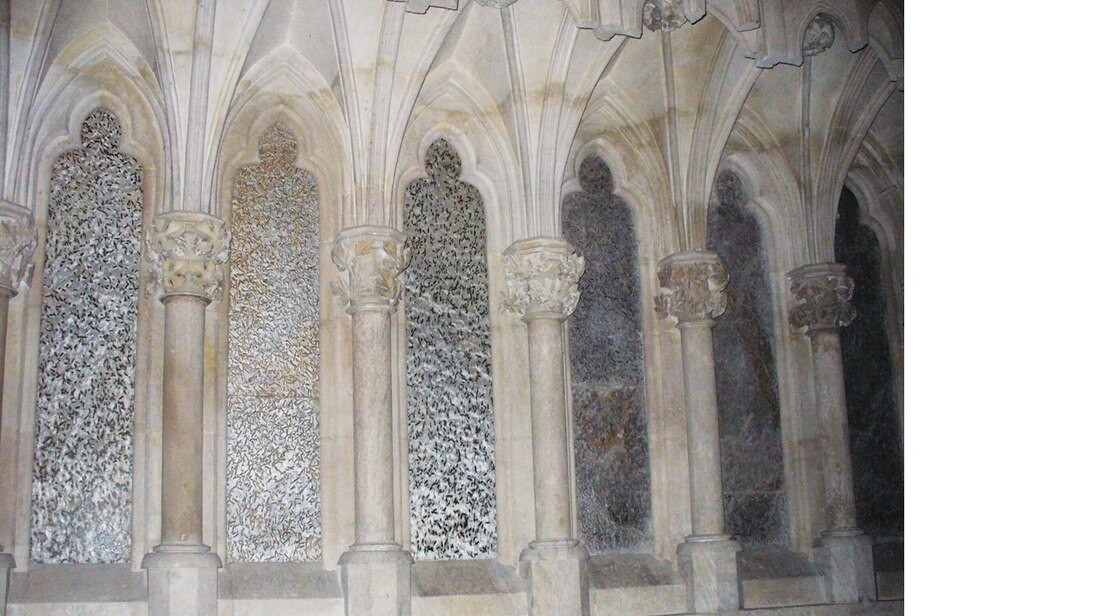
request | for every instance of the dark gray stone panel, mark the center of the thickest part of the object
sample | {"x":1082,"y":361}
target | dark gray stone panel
{"x":745,"y":374}
{"x":873,"y":421}
{"x":611,"y":450}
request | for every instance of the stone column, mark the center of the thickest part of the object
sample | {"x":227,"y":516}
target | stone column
{"x":823,"y":294}
{"x":18,"y":240}
{"x":693,"y":291}
{"x":542,"y":286}
{"x":187,"y":252}
{"x":376,"y":571}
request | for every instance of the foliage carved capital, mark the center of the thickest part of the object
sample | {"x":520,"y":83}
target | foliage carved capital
{"x":18,"y":240}
{"x":369,"y":260}
{"x":823,"y":298}
{"x":542,"y":276}
{"x":692,"y":286}
{"x":187,"y":252}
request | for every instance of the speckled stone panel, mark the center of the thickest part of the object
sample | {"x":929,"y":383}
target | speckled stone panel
{"x":605,"y":338}
{"x":745,"y":374}
{"x":273,"y":500}
{"x":873,"y":421}
{"x":83,"y":454}
{"x":449,"y":410}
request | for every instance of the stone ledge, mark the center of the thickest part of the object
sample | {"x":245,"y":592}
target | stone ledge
{"x":464,"y":577}
{"x":247,"y":581}
{"x":634,"y":584}
{"x":67,"y":583}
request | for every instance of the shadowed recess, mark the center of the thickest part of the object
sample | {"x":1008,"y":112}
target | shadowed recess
{"x":272,"y":468}
{"x":83,"y":454}
{"x":612,"y":465}
{"x":450,"y":419}
{"x":746,"y":383}
{"x":873,"y":422}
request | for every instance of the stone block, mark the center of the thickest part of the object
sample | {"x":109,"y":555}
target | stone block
{"x":7,"y":563}
{"x":376,"y":582}
{"x":709,"y":566}
{"x":849,"y":565}
{"x":182,"y":583}
{"x":557,"y":578}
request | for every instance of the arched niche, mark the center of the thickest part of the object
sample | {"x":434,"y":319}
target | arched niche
{"x":772,"y":199}
{"x":607,"y":370}
{"x":451,"y":107}
{"x":611,"y":132}
{"x":81,"y":505}
{"x":93,"y":71}
{"x":283,"y":89}
{"x":873,"y":417}
{"x":272,"y":436}
{"x":449,"y":395}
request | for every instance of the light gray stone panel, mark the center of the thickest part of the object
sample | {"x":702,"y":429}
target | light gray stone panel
{"x":273,"y":359}
{"x":83,"y":460}
{"x":449,"y":408}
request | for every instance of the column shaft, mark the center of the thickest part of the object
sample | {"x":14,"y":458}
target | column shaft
{"x":701,"y":410}
{"x":373,"y":471}
{"x":832,"y":411}
{"x":183,"y":390}
{"x":5,"y":299}
{"x":550,"y":451}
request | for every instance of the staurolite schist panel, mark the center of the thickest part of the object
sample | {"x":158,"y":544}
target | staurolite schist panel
{"x":605,"y":337}
{"x":83,"y":454}
{"x":450,"y":415}
{"x":745,"y":374}
{"x":273,"y":500}
{"x":873,"y":421}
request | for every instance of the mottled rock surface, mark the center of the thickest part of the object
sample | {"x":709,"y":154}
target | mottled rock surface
{"x":272,"y":468}
{"x":450,"y":417}
{"x":611,"y":451}
{"x":745,"y":374}
{"x":873,"y":421}
{"x":83,"y":454}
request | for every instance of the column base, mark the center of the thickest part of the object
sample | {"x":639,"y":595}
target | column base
{"x":7,"y":563}
{"x":709,"y":565}
{"x":376,"y":579}
{"x":182,"y":580}
{"x":846,"y":557}
{"x":556,"y":574}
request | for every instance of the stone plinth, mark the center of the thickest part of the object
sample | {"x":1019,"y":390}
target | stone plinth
{"x":557,"y":577}
{"x":376,"y":581}
{"x":181,"y":583}
{"x":848,"y":561}
{"x":709,"y":566}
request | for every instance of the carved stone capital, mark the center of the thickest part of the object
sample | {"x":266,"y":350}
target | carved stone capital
{"x":187,"y":252}
{"x":819,"y":36}
{"x":692,"y":286}
{"x":542,"y":276}
{"x":369,"y":260}
{"x":823,"y":297}
{"x":18,"y":239}
{"x":663,"y":15}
